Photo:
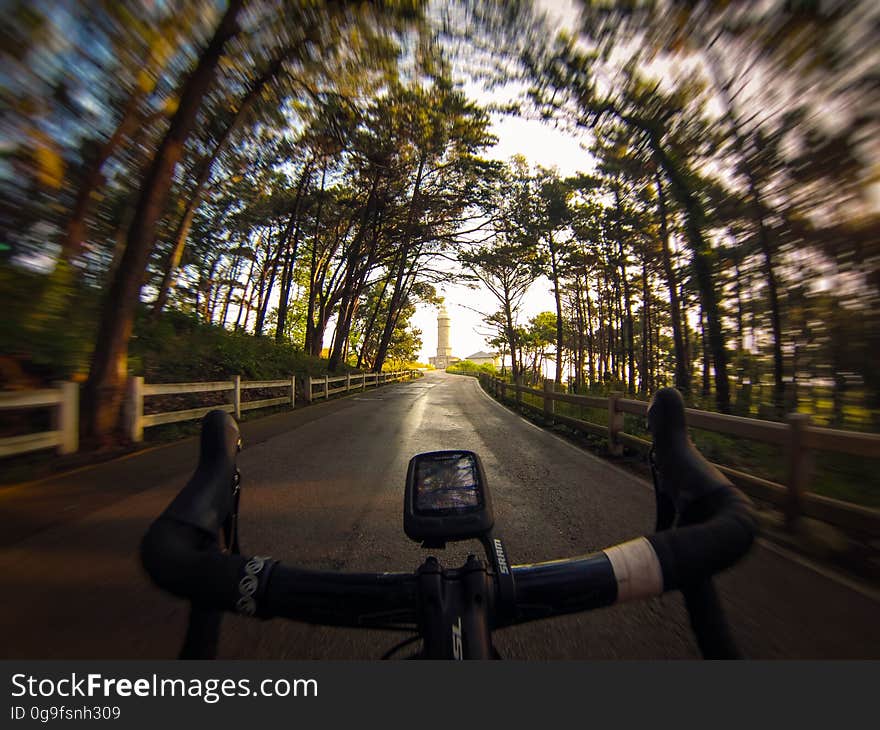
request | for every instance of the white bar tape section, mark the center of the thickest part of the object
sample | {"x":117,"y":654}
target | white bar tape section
{"x":637,"y":570}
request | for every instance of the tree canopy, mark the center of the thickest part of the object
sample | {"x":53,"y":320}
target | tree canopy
{"x":315,"y":172}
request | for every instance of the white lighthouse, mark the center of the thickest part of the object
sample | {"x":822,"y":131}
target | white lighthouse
{"x":444,"y":356}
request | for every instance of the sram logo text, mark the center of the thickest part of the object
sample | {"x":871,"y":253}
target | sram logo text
{"x":502,"y":558}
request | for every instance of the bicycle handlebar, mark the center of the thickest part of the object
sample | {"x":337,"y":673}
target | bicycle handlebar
{"x":715,"y":527}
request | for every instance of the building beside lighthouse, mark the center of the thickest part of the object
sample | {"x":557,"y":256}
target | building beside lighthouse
{"x":444,"y":357}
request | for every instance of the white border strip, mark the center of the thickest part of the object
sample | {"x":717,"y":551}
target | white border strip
{"x":637,"y":570}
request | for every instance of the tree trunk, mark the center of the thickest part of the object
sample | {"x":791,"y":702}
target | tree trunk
{"x":263,"y":308}
{"x":557,"y":296}
{"x":686,"y":335}
{"x":310,"y":307}
{"x":293,"y":230}
{"x":206,"y":166}
{"x":682,"y":373}
{"x":511,"y":336}
{"x":232,"y":279}
{"x":368,"y":330}
{"x":629,"y":340}
{"x":591,"y":337}
{"x":349,"y":293}
{"x":705,"y":348}
{"x":105,"y":385}
{"x":644,"y":382}
{"x":740,"y":336}
{"x":394,"y":316}
{"x":758,"y":215}
{"x":394,"y":304}
{"x":630,"y":334}
{"x":581,"y":335}
{"x":702,"y":264}
{"x":245,"y":307}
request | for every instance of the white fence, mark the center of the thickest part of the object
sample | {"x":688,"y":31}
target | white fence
{"x":64,"y":399}
{"x":358,"y":381}
{"x":136,"y":421}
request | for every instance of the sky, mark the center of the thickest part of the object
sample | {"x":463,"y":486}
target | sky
{"x":541,"y":144}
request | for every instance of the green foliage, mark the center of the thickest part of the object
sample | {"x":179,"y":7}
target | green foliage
{"x":56,"y":345}
{"x":334,"y":157}
{"x":468,"y":367}
{"x":176,"y":347}
{"x":179,"y":348}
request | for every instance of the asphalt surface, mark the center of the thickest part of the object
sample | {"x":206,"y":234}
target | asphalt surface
{"x":323,"y":488}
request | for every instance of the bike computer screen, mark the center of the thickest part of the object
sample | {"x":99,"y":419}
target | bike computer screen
{"x":447,"y":482}
{"x":446,"y":497}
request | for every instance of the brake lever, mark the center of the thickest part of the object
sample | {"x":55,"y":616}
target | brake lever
{"x":665,"y":517}
{"x":230,"y":524}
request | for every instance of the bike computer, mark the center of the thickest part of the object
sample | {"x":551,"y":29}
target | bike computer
{"x":446,"y":498}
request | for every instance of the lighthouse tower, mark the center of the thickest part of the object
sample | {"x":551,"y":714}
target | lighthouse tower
{"x":444,"y":356}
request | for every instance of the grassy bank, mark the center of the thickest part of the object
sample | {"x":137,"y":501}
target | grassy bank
{"x":37,"y":351}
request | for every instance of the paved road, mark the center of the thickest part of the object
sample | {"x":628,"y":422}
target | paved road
{"x":323,"y":488}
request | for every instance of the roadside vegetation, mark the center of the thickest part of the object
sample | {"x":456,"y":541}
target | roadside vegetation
{"x":466,"y":367}
{"x":834,"y":475}
{"x":259,"y":187}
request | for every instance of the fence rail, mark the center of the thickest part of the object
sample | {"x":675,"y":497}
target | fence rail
{"x":358,"y":381}
{"x":798,"y":437}
{"x":136,"y":421}
{"x":64,"y":400}
{"x":64,"y":435}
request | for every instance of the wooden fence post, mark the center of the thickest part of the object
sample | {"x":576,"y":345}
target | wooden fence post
{"x":799,"y":467}
{"x":134,"y":407}
{"x":307,"y":388}
{"x":236,"y":396}
{"x":66,"y":417}
{"x":615,"y":425}
{"x":363,"y":382}
{"x":549,"y":403}
{"x":293,"y":391}
{"x":326,"y":387}
{"x":517,"y":391}
{"x":503,"y":390}
{"x":347,"y":382}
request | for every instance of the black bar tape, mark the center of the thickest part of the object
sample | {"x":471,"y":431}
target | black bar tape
{"x":564,"y":586}
{"x":713,"y":534}
{"x":338,"y":599}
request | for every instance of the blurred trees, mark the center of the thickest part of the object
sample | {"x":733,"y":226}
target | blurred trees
{"x":298,"y":170}
{"x":754,"y":121}
{"x":216,"y":94}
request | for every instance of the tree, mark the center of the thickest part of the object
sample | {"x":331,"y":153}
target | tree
{"x":551,"y":217}
{"x":507,"y":270}
{"x":103,"y":390}
{"x":670,"y":126}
